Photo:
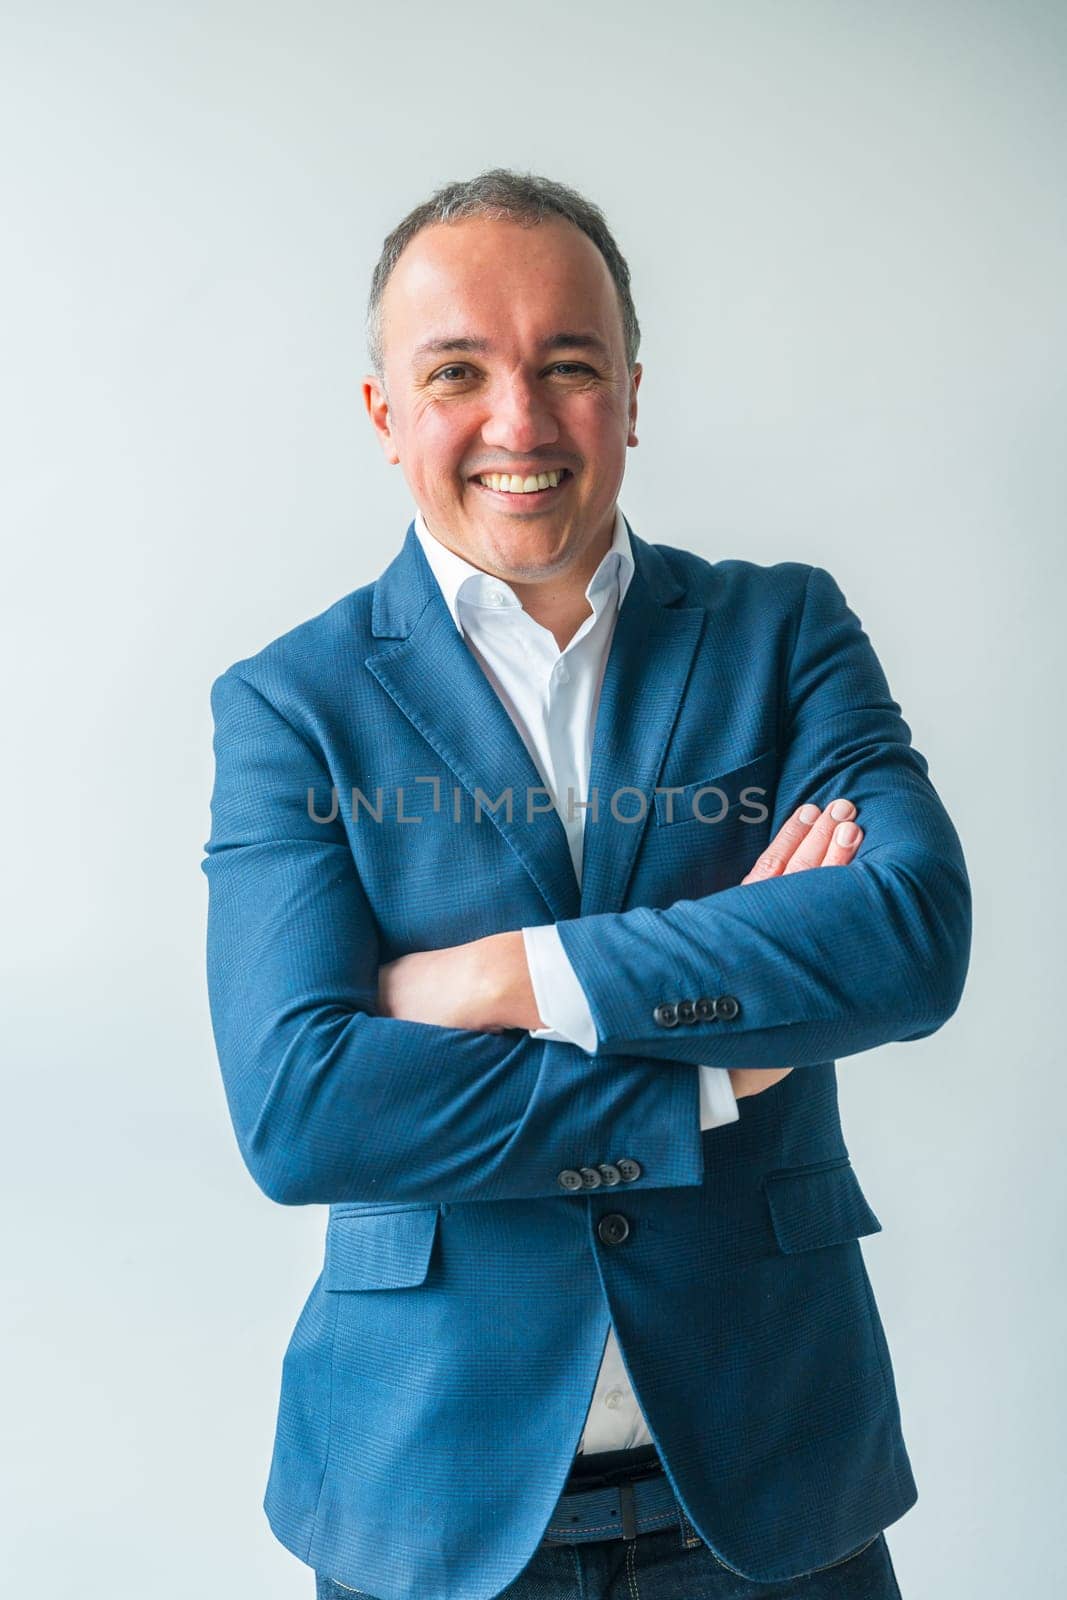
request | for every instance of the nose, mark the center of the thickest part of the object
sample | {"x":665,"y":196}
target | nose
{"x":519,"y":417}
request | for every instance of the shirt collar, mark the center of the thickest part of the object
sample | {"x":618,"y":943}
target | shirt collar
{"x":461,"y":583}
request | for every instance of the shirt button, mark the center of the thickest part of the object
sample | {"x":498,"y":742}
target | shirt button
{"x":613,"y":1399}
{"x":562,"y":675}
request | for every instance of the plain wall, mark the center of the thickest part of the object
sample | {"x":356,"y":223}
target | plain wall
{"x":846,"y":228}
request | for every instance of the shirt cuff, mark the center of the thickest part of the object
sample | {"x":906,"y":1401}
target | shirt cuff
{"x":718,"y":1103}
{"x":561,"y":1001}
{"x":560,"y":998}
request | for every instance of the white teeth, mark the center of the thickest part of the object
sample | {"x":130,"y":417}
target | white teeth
{"x":516,"y":485}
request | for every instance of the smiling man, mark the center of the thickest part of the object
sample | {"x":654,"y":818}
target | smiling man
{"x":548,"y":1015}
{"x":504,"y":360}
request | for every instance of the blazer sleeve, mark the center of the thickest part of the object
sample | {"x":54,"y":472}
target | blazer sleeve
{"x":331,"y":1102}
{"x":822,"y":963}
{"x":558,"y":995}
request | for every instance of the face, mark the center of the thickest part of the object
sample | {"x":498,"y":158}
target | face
{"x":504,"y":354}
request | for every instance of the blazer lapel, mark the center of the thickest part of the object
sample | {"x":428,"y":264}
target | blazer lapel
{"x":437,"y":684}
{"x":644,"y":682}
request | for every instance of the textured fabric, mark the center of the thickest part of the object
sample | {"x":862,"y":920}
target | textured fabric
{"x":559,"y":995}
{"x":750,"y":1334}
{"x":551,"y":696}
{"x":647,"y":1546}
{"x":835,"y":961}
{"x":674,"y":1564}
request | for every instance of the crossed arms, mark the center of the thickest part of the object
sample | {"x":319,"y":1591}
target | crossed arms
{"x":333,"y":1101}
{"x":485,"y":984}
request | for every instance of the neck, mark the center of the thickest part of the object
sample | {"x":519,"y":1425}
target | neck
{"x":560,"y":604}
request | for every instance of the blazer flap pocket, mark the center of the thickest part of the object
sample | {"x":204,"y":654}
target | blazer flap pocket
{"x":379,"y":1249}
{"x":709,"y":800}
{"x":816,"y":1206}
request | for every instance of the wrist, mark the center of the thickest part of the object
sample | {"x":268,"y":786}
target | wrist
{"x":509,"y":992}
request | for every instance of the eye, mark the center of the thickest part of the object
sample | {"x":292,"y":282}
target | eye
{"x":566,"y":367}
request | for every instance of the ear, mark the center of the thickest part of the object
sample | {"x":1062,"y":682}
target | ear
{"x":634,"y":385}
{"x":377,"y":404}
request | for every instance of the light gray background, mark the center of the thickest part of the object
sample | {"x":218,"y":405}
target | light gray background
{"x":846,"y":228}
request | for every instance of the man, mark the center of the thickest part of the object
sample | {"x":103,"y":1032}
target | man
{"x":519,"y":960}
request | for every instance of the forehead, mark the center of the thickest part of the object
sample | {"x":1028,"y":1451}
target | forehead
{"x":483,"y":275}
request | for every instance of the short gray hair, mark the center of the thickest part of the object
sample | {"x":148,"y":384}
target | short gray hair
{"x":506,"y":196}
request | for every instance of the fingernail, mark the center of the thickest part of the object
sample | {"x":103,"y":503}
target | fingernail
{"x":842,"y":809}
{"x":847,"y":834}
{"x":807,"y":814}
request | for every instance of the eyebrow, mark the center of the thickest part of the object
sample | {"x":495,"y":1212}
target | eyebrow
{"x":461,"y":345}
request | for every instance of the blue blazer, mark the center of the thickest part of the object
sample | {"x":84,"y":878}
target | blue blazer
{"x":437,"y":1381}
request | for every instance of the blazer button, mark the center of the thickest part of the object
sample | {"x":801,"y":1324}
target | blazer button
{"x":609,"y":1172}
{"x":705,"y":1008}
{"x":628,"y":1169}
{"x":726,"y":1007}
{"x":613,"y":1228}
{"x":666,"y":1015}
{"x":686,"y":1011}
{"x":569,"y":1179}
{"x":591,"y":1178}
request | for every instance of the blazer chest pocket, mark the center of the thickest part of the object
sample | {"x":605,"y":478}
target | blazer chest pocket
{"x":745,"y":793}
{"x":812,"y":1207}
{"x":379,"y":1249}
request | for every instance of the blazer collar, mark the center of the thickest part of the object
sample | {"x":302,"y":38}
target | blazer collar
{"x":432,"y":677}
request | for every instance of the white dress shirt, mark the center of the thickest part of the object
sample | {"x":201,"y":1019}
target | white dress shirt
{"x":551,"y":696}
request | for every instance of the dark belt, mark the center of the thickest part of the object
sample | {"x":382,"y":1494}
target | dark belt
{"x":643,"y":1503}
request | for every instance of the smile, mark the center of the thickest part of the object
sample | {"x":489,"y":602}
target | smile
{"x":534,"y":491}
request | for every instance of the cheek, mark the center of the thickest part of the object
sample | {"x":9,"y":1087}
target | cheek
{"x":442,"y":439}
{"x":603,"y":419}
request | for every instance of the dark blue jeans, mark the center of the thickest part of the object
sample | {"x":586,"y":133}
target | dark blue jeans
{"x":674,"y":1564}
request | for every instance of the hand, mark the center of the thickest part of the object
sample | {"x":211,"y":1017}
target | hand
{"x":809,"y":839}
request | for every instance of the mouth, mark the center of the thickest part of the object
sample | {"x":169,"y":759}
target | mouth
{"x":524,"y":494}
